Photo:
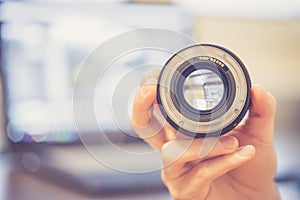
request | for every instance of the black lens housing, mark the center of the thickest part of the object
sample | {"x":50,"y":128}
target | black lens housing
{"x":235,"y":100}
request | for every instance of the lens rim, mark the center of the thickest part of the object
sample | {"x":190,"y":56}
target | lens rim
{"x":227,"y":127}
{"x":178,"y":98}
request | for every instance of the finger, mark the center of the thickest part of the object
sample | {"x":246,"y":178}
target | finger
{"x":260,"y":121}
{"x":142,"y":120}
{"x":206,"y":171}
{"x":142,"y":104}
{"x":150,"y":76}
{"x":181,"y":151}
{"x":177,"y":153}
{"x":262,"y":104}
{"x":213,"y":168}
{"x":258,"y":129}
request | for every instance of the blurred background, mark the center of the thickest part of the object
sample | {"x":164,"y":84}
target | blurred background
{"x":43,"y":43}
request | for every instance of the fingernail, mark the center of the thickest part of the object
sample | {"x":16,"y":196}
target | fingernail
{"x":246,"y":151}
{"x":145,"y":90}
{"x":151,"y":81}
{"x":229,"y":142}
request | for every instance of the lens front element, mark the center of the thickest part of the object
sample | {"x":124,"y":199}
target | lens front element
{"x":203,"y":89}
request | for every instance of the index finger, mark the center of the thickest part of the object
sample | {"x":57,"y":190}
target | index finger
{"x":150,"y":75}
{"x":143,"y":122}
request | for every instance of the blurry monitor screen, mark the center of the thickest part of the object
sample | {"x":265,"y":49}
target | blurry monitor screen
{"x":40,"y":64}
{"x":41,"y":55}
{"x":38,"y":70}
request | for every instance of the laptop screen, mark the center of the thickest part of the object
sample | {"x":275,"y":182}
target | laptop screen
{"x":39,"y":68}
{"x":42,"y":54}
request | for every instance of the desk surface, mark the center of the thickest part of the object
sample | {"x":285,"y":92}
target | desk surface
{"x":18,"y":185}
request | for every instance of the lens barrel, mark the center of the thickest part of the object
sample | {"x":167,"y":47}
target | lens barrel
{"x":204,"y":90}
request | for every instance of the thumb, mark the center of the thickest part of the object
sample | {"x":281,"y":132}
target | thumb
{"x":263,"y":104}
{"x":260,"y":121}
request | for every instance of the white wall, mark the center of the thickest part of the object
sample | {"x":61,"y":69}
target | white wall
{"x":270,"y":49}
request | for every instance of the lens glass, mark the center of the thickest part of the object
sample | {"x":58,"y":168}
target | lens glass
{"x":203,"y":89}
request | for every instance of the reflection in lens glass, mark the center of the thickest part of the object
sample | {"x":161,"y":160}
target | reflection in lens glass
{"x":203,"y":89}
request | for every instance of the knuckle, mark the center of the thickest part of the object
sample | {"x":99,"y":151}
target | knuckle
{"x":170,"y":154}
{"x":139,"y":101}
{"x":177,"y":193}
{"x":133,"y":126}
{"x":164,"y":177}
{"x":165,"y":151}
{"x":201,"y":172}
{"x":273,"y":100}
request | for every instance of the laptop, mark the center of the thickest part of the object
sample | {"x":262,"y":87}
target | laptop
{"x":41,"y":58}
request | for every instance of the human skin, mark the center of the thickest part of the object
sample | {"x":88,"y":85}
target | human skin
{"x":240,"y":165}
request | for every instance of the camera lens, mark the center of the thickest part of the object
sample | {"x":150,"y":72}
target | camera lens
{"x":204,"y":90}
